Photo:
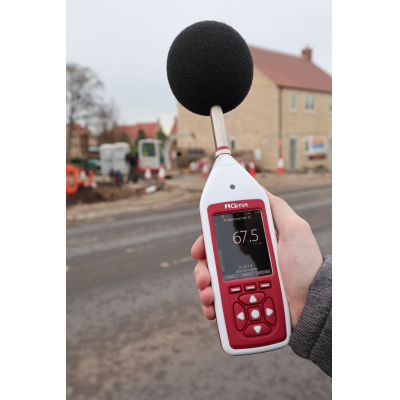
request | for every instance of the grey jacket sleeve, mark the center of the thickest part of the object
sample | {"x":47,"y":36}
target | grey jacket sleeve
{"x":312,"y":337}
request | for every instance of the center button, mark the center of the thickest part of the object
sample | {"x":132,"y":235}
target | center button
{"x":254,"y":313}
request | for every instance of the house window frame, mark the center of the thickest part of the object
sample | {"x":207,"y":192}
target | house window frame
{"x":293,"y":97}
{"x":306,"y":103}
{"x":232,"y":139}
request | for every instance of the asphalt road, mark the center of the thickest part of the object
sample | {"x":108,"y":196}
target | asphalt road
{"x":135,"y":328}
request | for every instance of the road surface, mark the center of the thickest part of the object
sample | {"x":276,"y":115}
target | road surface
{"x":135,"y":328}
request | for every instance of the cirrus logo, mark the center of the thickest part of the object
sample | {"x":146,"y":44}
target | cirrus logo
{"x":234,"y":205}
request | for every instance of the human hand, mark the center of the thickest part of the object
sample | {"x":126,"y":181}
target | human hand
{"x":298,"y":254}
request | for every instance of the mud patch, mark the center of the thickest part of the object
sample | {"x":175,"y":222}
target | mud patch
{"x":89,"y":195}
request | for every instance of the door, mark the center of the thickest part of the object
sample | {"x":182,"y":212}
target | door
{"x":149,"y":154}
{"x":293,"y":145}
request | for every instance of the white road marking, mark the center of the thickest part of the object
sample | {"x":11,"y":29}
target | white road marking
{"x":182,"y":260}
{"x":139,"y":241}
{"x":312,"y":204}
{"x":164,"y":264}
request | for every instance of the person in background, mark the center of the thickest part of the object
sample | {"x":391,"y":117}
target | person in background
{"x":133,"y":167}
{"x":116,"y":176}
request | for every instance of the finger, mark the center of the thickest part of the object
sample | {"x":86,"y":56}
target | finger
{"x":207,"y":296}
{"x":209,"y":312}
{"x":202,"y":275}
{"x":198,"y":251}
{"x":282,"y":213}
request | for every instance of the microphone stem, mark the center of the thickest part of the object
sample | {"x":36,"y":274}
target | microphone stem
{"x":219,"y":130}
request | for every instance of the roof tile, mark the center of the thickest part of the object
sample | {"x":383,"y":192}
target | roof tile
{"x":150,"y":130}
{"x":291,"y":71}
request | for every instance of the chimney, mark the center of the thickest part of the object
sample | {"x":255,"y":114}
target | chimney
{"x":306,"y":53}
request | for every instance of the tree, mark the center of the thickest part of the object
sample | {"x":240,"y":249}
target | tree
{"x":83,"y":97}
{"x":141,"y":135}
{"x":107,"y":119}
{"x":161,"y":135}
{"x":124,"y":138}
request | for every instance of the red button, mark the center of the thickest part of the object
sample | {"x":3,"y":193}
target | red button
{"x":235,"y":289}
{"x":257,"y":329}
{"x":250,"y":287}
{"x":252,"y":298}
{"x":254,"y":314}
{"x":269,"y":310}
{"x":264,"y":285}
{"x":240,"y":316}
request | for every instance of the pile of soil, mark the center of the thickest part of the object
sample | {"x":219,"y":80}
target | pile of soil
{"x":89,"y":195}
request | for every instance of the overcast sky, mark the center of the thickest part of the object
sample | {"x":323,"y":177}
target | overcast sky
{"x":126,"y":42}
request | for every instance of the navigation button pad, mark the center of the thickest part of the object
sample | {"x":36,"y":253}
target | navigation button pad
{"x":253,"y":312}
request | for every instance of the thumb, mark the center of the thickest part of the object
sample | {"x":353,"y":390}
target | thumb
{"x":282,"y":213}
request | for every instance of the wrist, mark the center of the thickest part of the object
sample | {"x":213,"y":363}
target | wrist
{"x":296,"y":308}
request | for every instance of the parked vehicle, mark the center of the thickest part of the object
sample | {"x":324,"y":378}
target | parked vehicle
{"x":153,"y":152}
{"x":112,"y":157}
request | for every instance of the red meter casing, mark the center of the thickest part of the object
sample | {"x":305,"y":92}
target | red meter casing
{"x":252,"y":313}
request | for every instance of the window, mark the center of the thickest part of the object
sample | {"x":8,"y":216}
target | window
{"x":330,"y":104}
{"x":309,"y":102}
{"x":232,"y":141}
{"x":148,"y":150}
{"x":293,"y":102}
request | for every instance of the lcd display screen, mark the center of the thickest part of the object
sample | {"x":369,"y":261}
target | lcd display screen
{"x":242,"y":245}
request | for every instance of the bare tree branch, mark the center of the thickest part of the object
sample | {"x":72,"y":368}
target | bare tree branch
{"x":83,"y":100}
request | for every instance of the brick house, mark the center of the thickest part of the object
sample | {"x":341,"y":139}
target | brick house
{"x":81,"y":139}
{"x":131,"y":132}
{"x":288,"y":110}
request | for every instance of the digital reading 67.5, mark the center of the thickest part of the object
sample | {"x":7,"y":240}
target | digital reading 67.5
{"x":242,"y":245}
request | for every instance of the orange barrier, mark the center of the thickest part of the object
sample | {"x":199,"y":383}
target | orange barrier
{"x":72,"y":179}
{"x":91,"y":173}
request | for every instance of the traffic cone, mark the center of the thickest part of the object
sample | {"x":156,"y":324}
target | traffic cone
{"x":242,"y":163}
{"x":82,"y":176}
{"x":147,"y":173}
{"x":279,"y":169}
{"x":161,"y":173}
{"x":205,"y":170}
{"x":252,"y":168}
{"x":150,"y":189}
{"x":90,"y":180}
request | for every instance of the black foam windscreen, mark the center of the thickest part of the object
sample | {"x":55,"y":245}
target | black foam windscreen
{"x":209,"y":64}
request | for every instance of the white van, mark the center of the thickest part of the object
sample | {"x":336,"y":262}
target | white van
{"x":151,"y":154}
